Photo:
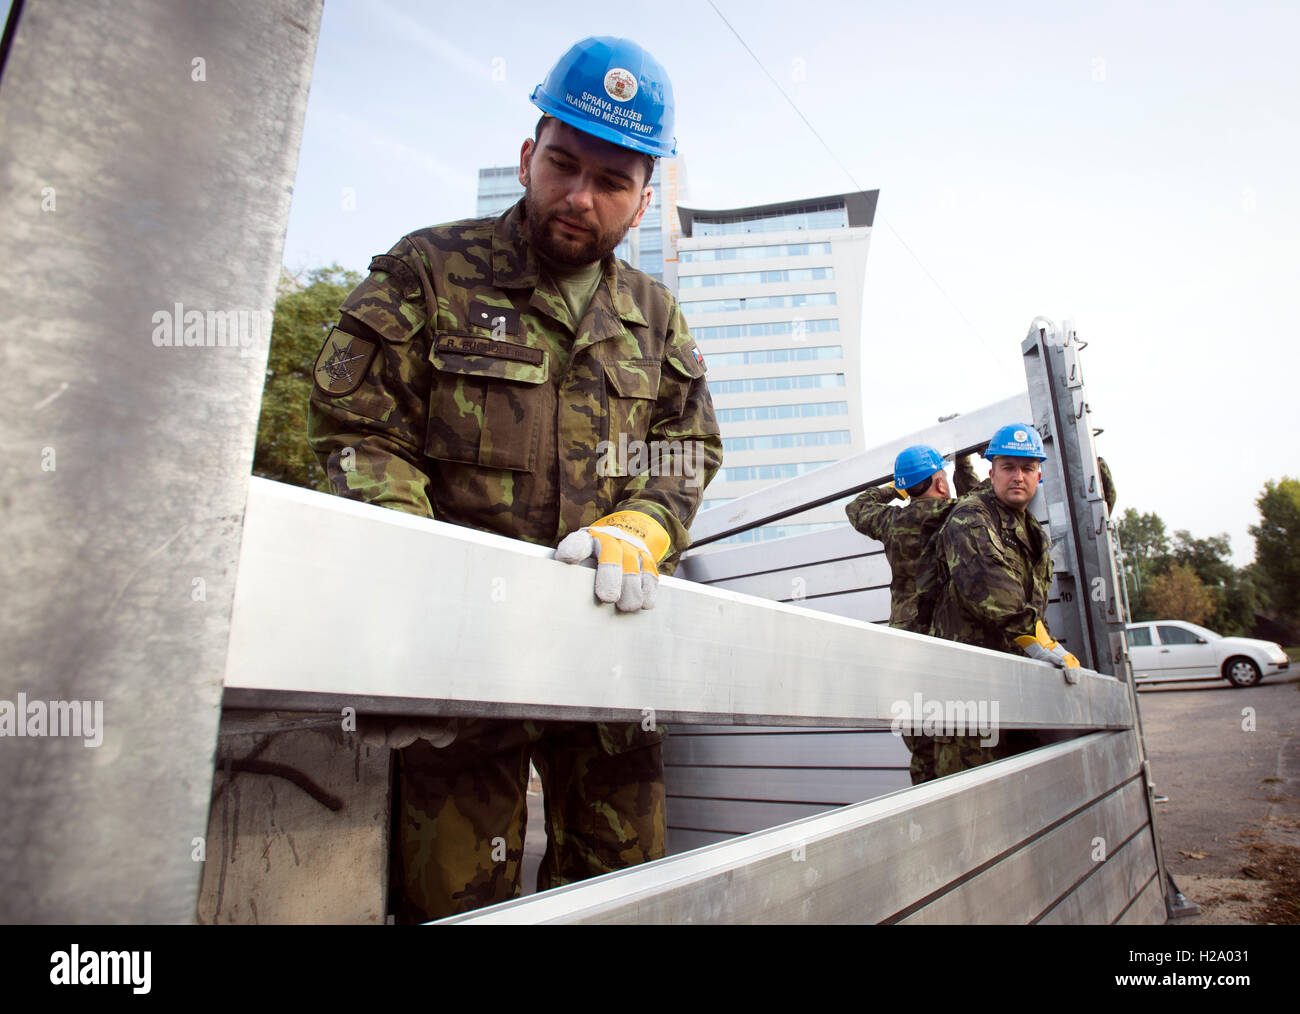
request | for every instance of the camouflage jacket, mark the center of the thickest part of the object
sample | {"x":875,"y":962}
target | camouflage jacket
{"x":458,"y":386}
{"x":993,"y":572}
{"x":904,"y":532}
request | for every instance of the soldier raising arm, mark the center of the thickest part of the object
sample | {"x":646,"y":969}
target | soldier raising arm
{"x":919,"y":478}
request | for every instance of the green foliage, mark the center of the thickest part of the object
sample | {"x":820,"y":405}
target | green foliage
{"x":1232,"y":590}
{"x":1277,"y":547}
{"x":1178,"y":594}
{"x":305,"y":310}
{"x":1150,"y":554}
{"x":1146,"y":554}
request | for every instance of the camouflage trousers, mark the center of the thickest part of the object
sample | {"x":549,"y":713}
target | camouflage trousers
{"x":922,"y":767}
{"x":462,"y":810}
{"x":960,"y":753}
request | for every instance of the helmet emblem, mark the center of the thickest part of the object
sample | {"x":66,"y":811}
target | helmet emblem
{"x":620,"y":85}
{"x":1021,"y":436}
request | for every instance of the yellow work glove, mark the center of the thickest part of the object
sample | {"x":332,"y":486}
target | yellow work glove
{"x":628,"y":545}
{"x":1043,"y":647}
{"x":900,"y":493}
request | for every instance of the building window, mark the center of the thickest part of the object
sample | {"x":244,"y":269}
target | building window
{"x":756,"y":277}
{"x":732,"y":253}
{"x":831,"y":215}
{"x":758,"y":303}
{"x":758,"y":413}
{"x":799,"y":355}
{"x":745,"y":473}
{"x":776,"y":383}
{"x":774,"y":441}
{"x":765,"y":330}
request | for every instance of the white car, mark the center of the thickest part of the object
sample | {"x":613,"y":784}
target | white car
{"x":1166,"y":650}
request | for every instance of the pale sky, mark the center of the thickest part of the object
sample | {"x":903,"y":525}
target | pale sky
{"x":1132,"y":168}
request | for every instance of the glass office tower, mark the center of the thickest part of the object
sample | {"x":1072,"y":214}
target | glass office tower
{"x":773,"y":297}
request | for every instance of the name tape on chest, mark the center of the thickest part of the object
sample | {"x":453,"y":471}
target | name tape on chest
{"x":472,"y":345}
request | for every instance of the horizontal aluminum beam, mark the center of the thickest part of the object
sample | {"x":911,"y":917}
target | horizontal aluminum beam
{"x":813,"y":557}
{"x":852,"y":475}
{"x":345,"y":604}
{"x":880,"y":860}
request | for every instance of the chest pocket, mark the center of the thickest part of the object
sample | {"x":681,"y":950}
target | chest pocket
{"x":486,"y":401}
{"x":631,"y":388}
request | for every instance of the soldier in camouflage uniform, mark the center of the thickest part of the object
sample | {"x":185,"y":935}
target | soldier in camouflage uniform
{"x":474,"y":377}
{"x":990,"y":569}
{"x":919,"y":479}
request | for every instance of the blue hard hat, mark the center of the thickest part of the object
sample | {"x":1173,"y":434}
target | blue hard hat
{"x":914,"y":464}
{"x":612,"y":89}
{"x":1016,"y":440}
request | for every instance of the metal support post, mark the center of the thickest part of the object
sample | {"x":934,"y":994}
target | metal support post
{"x":1085,"y":551}
{"x":148,"y":159}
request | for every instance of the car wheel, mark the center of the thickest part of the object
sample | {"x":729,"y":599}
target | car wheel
{"x":1241,"y":671}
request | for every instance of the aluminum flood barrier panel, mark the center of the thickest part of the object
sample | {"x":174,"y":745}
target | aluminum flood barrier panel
{"x":1059,"y":834}
{"x":461,"y":622}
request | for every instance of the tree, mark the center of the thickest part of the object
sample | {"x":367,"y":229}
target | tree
{"x":304,"y":314}
{"x":1233,"y":592}
{"x":1277,"y":546}
{"x":1146,"y":554}
{"x":1180,"y":595}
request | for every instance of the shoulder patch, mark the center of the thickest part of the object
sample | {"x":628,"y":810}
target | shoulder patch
{"x":403,"y":275}
{"x":687,"y":360}
{"x":342,"y":363}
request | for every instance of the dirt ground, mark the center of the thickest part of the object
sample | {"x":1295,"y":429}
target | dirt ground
{"x":1229,"y":761}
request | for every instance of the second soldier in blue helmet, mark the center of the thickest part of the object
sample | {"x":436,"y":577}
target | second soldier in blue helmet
{"x":919,"y":479}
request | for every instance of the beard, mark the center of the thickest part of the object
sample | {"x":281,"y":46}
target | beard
{"x":579,"y":251}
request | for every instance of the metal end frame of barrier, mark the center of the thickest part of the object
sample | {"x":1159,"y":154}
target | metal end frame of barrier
{"x":1088,"y":579}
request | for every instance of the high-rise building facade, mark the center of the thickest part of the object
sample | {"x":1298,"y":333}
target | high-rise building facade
{"x":652,"y":246}
{"x":773,"y":297}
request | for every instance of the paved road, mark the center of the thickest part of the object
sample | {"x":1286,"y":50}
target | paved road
{"x":1227,"y":784}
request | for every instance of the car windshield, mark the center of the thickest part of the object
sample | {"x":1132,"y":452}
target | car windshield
{"x":1209,"y":635}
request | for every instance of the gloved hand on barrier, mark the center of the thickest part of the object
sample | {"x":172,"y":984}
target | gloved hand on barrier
{"x":628,"y":546}
{"x":1043,"y":647}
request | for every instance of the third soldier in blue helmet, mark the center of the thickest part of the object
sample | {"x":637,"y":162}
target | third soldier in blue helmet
{"x":919,"y":479}
{"x":989,"y":569}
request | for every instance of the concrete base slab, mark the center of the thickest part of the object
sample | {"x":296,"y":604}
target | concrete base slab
{"x":299,"y":829}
